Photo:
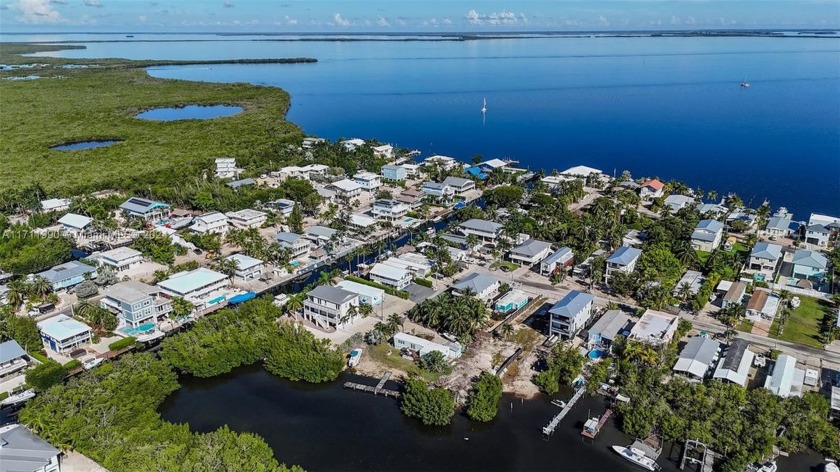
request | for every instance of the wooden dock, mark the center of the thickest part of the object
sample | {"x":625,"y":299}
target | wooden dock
{"x":379,"y":389}
{"x":593,"y":431}
{"x":548,"y":430}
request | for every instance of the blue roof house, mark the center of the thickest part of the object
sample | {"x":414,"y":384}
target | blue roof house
{"x":570,"y":314}
{"x":68,"y":275}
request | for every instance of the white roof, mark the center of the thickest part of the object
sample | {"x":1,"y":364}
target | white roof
{"x":120,"y":254}
{"x":389,"y":272}
{"x":246,"y":214}
{"x":53,"y":203}
{"x":361,"y":289}
{"x":73,"y":220}
{"x":358,"y":219}
{"x":211,"y":217}
{"x":653,"y":325}
{"x":346,"y":185}
{"x":366,"y":176}
{"x":784,"y":380}
{"x":244,"y":262}
{"x":186,"y":282}
{"x":62,"y":327}
{"x":582,"y":171}
{"x":494,"y":163}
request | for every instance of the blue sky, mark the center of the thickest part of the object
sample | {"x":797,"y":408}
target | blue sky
{"x":409,"y":15}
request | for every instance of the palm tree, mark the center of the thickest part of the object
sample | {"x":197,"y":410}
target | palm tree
{"x":40,"y":286}
{"x":506,"y":330}
{"x":294,"y":303}
{"x":365,"y":310}
{"x":395,"y":323}
{"x":325,"y":278}
{"x":684,"y":291}
{"x":352,"y":312}
{"x":16,"y":294}
{"x":227,"y":267}
{"x":87,"y":310}
{"x":181,"y":308}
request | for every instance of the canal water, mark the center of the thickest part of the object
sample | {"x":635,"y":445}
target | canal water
{"x":328,"y":428}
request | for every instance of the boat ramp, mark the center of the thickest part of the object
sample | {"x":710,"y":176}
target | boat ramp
{"x":379,"y":389}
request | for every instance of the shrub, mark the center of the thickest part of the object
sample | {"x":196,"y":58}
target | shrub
{"x":484,"y":398}
{"x":38,"y":355}
{"x":122,"y":343}
{"x":295,"y":353}
{"x":431,"y":406}
{"x":86,"y":289}
{"x":423,"y":282}
{"x":72,"y":365}
{"x":46,"y":375}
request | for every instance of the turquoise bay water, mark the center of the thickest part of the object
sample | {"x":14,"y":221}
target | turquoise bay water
{"x":667,"y":107}
{"x":191,"y":112}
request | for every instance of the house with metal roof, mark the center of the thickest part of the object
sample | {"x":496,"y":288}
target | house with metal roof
{"x":63,"y":334}
{"x":247,"y":267}
{"x":394,"y":173}
{"x":712,"y":209}
{"x":295,"y":243}
{"x":368,"y":180}
{"x":481,"y":286}
{"x":559,"y":259}
{"x":23,"y":451}
{"x":511,"y":301}
{"x":785,"y":380}
{"x":423,"y":346}
{"x":624,"y":259}
{"x":367,"y":295}
{"x":707,"y":235}
{"x":698,"y":358}
{"x":346,"y":188}
{"x":136,"y":303}
{"x":55,"y":204}
{"x":283,"y":206}
{"x":764,"y":259}
{"x":202,"y":286}
{"x":248,"y":218}
{"x":818,"y":235}
{"x":389,"y":210}
{"x":459,"y":185}
{"x":241,"y":183}
{"x":530,"y":252}
{"x":581,"y":171}
{"x":676,"y":203}
{"x":763,"y":304}
{"x":484,"y":229}
{"x":734,"y":294}
{"x":390,"y":275}
{"x":570,"y":314}
{"x":328,"y":306}
{"x":604,"y":331}
{"x":119,"y":259}
{"x":320,"y":234}
{"x":654,"y":328}
{"x":146,"y":209}
{"x":438,"y":190}
{"x":736,"y":363}
{"x":12,"y":358}
{"x":67,"y":275}
{"x":210,"y":223}
{"x":693,"y":279}
{"x":778,"y":226}
{"x":810,"y":265}
{"x":74,"y":224}
{"x":384,"y":151}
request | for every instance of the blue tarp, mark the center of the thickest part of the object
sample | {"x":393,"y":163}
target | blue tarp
{"x":243,"y":297}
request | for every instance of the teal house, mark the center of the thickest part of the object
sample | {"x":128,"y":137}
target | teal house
{"x":511,"y":301}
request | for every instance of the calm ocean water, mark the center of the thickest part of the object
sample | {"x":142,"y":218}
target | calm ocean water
{"x":667,"y":107}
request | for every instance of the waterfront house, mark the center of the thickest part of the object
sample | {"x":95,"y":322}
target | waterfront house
{"x":511,"y":301}
{"x":282,"y":206}
{"x":444,"y":162}
{"x":712,"y":210}
{"x":707,"y":235}
{"x":367,"y":295}
{"x":734,"y":294}
{"x":136,"y":303}
{"x":390,"y":275}
{"x":785,"y":380}
{"x":746,"y":217}
{"x":412,"y":198}
{"x":304,"y":173}
{"x":247,"y":267}
{"x":394,"y":173}
{"x":603,"y":332}
{"x":63,"y":334}
{"x":145,"y":209}
{"x":655,"y":328}
{"x":831,"y":223}
{"x":484,"y":229}
{"x":418,"y":264}
{"x":778,"y":226}
{"x":764,"y":259}
{"x":362,"y":223}
{"x":817,"y":234}
{"x":23,"y":451}
{"x":226,"y":168}
{"x":693,"y":279}
{"x":247,"y":218}
{"x":736,"y":363}
{"x":346,"y":188}
{"x":210,"y":223}
{"x":698,"y":358}
{"x":412,"y":170}
{"x":389,"y":210}
{"x":67,"y":275}
{"x":329,"y":307}
{"x":311,"y":142}
{"x":297,"y":245}
{"x":368,"y":180}
{"x":459,"y":185}
{"x":651,"y":189}
{"x":483,"y":287}
{"x":763,"y":304}
{"x":438,"y":190}
{"x":677,"y":202}
{"x":530,"y":252}
{"x":570,"y":314}
{"x":74,"y":224}
{"x":492,"y":165}
{"x":55,"y":204}
{"x":202,"y":287}
{"x":320,"y":235}
{"x":12,"y":358}
{"x":624,"y":259}
{"x":423,"y":346}
{"x":241,"y":183}
{"x":352,"y":144}
{"x":581,"y":172}
{"x":385,"y":151}
{"x":809,"y":265}
{"x":119,"y":259}
{"x":561,"y":259}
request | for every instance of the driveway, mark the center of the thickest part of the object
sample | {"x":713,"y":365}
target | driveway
{"x":418,"y":293}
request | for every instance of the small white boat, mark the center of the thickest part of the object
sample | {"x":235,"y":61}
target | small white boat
{"x":559,"y":403}
{"x":745,"y":84}
{"x":484,"y":107}
{"x":769,"y":466}
{"x":355,"y":357}
{"x":831,"y":467}
{"x":18,"y":398}
{"x":91,"y":363}
{"x":636,"y":456}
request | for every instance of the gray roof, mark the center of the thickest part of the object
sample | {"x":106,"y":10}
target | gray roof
{"x":701,"y":349}
{"x":22,"y":451}
{"x":777,"y":222}
{"x":531,"y":247}
{"x":610,"y":324}
{"x":713,"y":226}
{"x":288,"y":238}
{"x":332,"y":294}
{"x":321,"y":231}
{"x":130,"y":291}
{"x":481,"y":225}
{"x":434,"y":185}
{"x":570,"y":305}
{"x":734,"y":354}
{"x":456,"y":181}
{"x":700,"y":235}
{"x":810,"y":259}
{"x":10,"y":350}
{"x":768,"y":251}
{"x":141,"y":205}
{"x":241,"y":183}
{"x":818,"y":229}
{"x":558,"y":254}
{"x":66,"y":271}
{"x":475,"y":282}
{"x":624,"y":255}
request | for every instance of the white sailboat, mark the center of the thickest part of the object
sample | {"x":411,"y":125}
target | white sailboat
{"x":745,"y":84}
{"x":484,"y":107}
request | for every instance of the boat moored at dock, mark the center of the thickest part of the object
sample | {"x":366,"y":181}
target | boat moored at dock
{"x":636,"y":456}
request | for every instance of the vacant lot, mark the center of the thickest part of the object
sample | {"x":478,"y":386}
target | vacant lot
{"x":803,"y":325}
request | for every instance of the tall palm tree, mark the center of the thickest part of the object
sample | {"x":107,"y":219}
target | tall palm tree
{"x":16,"y":294}
{"x":325,"y":278}
{"x":40,"y":286}
{"x":294,"y":303}
{"x":506,"y":330}
{"x":227,"y":267}
{"x":365,"y":310}
{"x":395,"y":323}
{"x":684,"y":291}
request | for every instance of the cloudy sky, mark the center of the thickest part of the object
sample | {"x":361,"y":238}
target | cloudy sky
{"x":409,"y":15}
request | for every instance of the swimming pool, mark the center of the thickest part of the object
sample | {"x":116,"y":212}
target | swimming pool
{"x":143,"y":328}
{"x":216,"y":300}
{"x":596,"y":354}
{"x":294,"y":263}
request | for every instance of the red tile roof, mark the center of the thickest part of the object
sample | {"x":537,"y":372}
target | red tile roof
{"x":654,"y":184}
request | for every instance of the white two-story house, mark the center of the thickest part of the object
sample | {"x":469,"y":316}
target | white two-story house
{"x":136,"y":303}
{"x":120,"y":259}
{"x":247,"y":218}
{"x":484,"y":229}
{"x":389,"y":210}
{"x":622,"y":260}
{"x":390,"y":275}
{"x":210,"y":223}
{"x":459,"y":185}
{"x":530,"y":252}
{"x":329,"y":306}
{"x":570,"y":314}
{"x":707,"y":235}
{"x":764,"y":259}
{"x":368,"y":180}
{"x":297,"y":245}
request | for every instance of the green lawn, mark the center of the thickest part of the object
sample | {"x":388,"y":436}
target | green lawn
{"x":703,"y":256}
{"x":381,"y":352}
{"x":508,"y":264}
{"x":803,"y":325}
{"x":745,"y":326}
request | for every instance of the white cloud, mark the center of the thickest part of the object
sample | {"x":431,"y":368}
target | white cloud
{"x":603,"y":21}
{"x":228,"y":4}
{"x":38,"y":11}
{"x":93,"y":3}
{"x":446,"y":21}
{"x":339,"y":21}
{"x":503,"y":17}
{"x":142,"y":18}
{"x":382,"y":21}
{"x":291,"y":21}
